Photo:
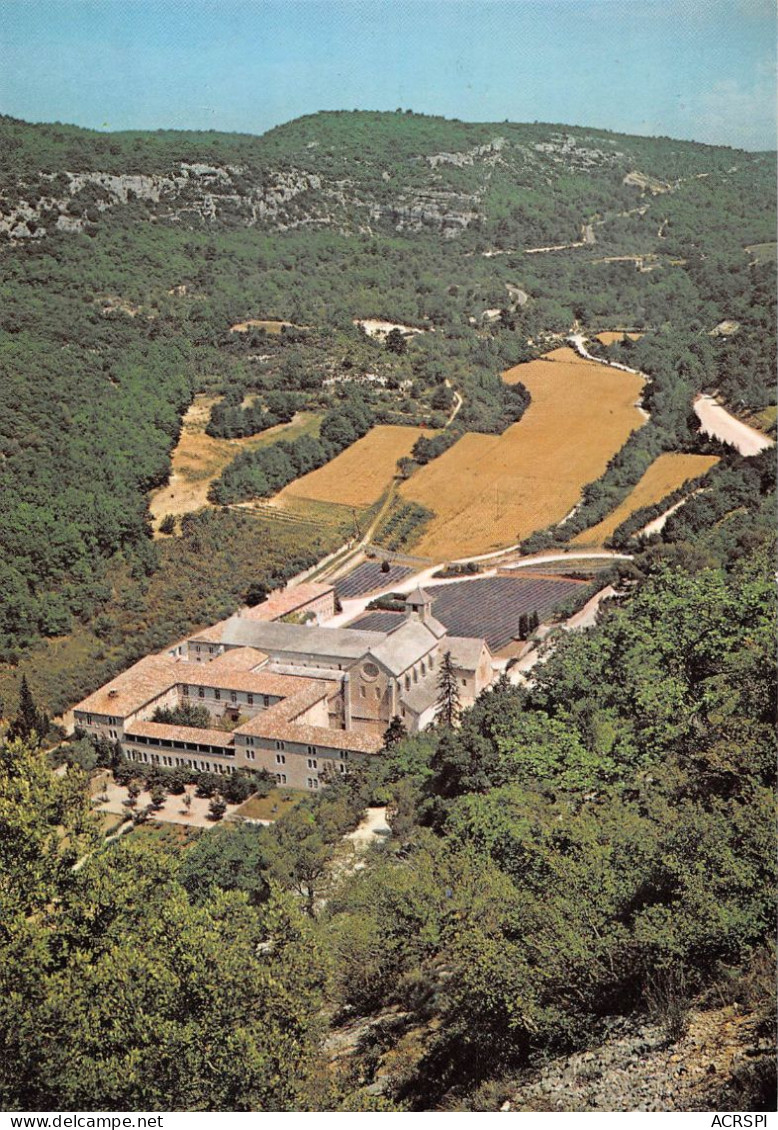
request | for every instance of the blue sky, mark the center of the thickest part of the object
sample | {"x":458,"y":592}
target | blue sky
{"x":701,"y":69}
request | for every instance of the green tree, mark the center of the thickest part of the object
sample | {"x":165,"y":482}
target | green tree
{"x":157,"y":796}
{"x":300,"y":854}
{"x":256,"y":593}
{"x":395,"y":342}
{"x":47,"y":827}
{"x":185,"y":714}
{"x":395,"y":732}
{"x":29,"y":720}
{"x":219,"y":999}
{"x":217,"y":807}
{"x":447,"y":709}
{"x":230,"y":858}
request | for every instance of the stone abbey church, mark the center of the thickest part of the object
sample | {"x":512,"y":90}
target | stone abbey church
{"x":299,"y":699}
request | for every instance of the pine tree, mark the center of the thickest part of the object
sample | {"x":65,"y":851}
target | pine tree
{"x":28,"y":720}
{"x":447,"y":710}
{"x":395,"y":732}
{"x":395,"y":342}
{"x":523,"y":626}
{"x":534,"y":622}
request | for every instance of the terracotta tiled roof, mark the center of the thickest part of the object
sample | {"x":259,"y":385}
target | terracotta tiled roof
{"x":131,"y":690}
{"x":351,"y":740}
{"x":251,"y":682}
{"x":238,"y":659}
{"x":308,"y":692}
{"x":212,"y":634}
{"x":278,"y":722}
{"x":285,"y":601}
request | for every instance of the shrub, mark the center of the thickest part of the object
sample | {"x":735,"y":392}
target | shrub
{"x":187,"y":714}
{"x":217,"y":808}
{"x":208,"y":784}
{"x":157,"y":794}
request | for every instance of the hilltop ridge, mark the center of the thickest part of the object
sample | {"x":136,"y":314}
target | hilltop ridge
{"x":360,"y":172}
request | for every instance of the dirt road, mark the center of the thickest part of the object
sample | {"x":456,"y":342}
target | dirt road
{"x":716,"y":421}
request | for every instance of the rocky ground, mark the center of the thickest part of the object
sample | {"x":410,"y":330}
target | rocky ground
{"x":725,"y":1060}
{"x":717,"y":1064}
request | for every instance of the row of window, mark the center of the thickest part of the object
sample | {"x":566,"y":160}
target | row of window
{"x":415,"y":672}
{"x":207,"y":766}
{"x":217,"y":694}
{"x":168,"y":743}
{"x":171,"y":762}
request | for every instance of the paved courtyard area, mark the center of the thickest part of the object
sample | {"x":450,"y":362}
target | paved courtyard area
{"x":173,"y":811}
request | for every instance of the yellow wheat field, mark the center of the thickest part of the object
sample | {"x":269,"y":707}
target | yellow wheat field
{"x":361,"y":473}
{"x":270,"y":326}
{"x":198,"y":458}
{"x":665,"y":475}
{"x":608,"y":337}
{"x":488,"y":492}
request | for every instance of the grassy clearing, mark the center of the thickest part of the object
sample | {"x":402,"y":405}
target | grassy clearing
{"x":610,"y":337}
{"x":175,"y":837}
{"x":270,"y":326}
{"x":762,"y":252}
{"x":270,"y":807}
{"x":198,"y":459}
{"x":765,"y":418}
{"x":666,"y":474}
{"x":361,"y":473}
{"x":109,"y":822}
{"x":490,"y":491}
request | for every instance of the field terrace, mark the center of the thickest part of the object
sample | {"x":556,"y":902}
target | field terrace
{"x":490,"y":607}
{"x":488,"y":492}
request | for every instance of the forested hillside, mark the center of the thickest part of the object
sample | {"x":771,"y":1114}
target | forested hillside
{"x":578,"y":855}
{"x":589,"y":853}
{"x":129,"y":257}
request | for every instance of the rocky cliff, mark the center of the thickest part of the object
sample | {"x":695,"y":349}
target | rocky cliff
{"x":353,"y":173}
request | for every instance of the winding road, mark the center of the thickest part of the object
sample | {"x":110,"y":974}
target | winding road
{"x":716,"y":421}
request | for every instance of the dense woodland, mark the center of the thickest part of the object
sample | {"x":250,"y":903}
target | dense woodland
{"x":595,"y":846}
{"x":121,"y":320}
{"x":599,"y":845}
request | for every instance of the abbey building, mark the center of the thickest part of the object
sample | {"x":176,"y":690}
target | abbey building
{"x":299,"y":699}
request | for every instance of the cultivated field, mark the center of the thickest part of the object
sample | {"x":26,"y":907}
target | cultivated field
{"x":665,"y":475}
{"x":270,"y":326}
{"x":369,"y":577}
{"x":608,"y":337}
{"x":488,"y":492}
{"x":303,"y":511}
{"x":762,"y":252}
{"x":198,"y":459}
{"x":490,"y":607}
{"x":361,"y":473}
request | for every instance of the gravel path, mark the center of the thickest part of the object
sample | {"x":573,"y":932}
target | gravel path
{"x":373,"y":829}
{"x":716,"y":421}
